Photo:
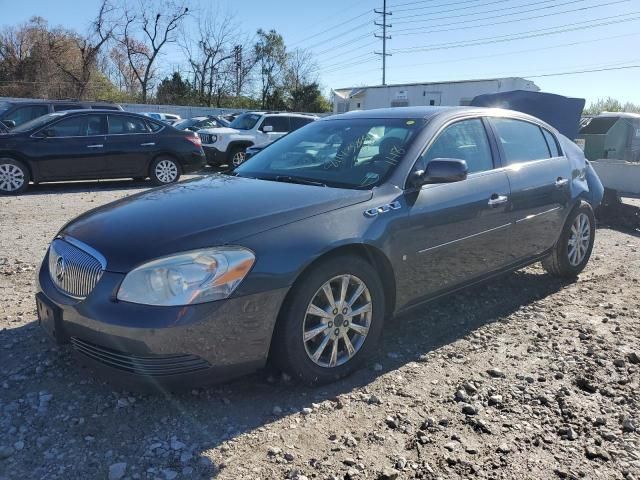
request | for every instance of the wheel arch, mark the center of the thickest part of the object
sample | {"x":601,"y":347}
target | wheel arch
{"x":239,"y":143}
{"x":19,"y":158}
{"x":370,"y":253}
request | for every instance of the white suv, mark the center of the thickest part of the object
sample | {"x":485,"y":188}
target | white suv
{"x":227,"y":145}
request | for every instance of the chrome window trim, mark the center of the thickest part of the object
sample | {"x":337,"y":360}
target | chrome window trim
{"x":465,"y":238}
{"x":90,"y":112}
{"x":86,"y":248}
{"x":534,"y":215}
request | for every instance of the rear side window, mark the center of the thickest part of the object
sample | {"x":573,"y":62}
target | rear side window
{"x":23,"y":114}
{"x":79,"y":126}
{"x":61,"y":107}
{"x":521,"y":141}
{"x":279,"y":124}
{"x":120,"y":124}
{"x":155,"y":127}
{"x":297,"y":122}
{"x":551,"y":143}
{"x":465,"y":140}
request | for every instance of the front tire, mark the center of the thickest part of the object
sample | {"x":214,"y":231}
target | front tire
{"x":237,"y":157}
{"x":331,"y":321}
{"x":573,"y":249}
{"x":164,"y":170}
{"x":14,"y":177}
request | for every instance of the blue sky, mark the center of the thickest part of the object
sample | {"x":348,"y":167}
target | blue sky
{"x":432,"y":40}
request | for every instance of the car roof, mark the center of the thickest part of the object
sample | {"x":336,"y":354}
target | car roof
{"x":101,"y":110}
{"x":289,"y":114}
{"x":82,"y":102}
{"x":429,"y":112}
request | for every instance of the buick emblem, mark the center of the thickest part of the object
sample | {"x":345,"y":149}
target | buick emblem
{"x":59,"y":269}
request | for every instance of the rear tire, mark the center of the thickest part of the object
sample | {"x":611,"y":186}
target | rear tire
{"x":14,"y":177}
{"x":573,"y":249}
{"x":164,"y":171}
{"x":353,"y":324}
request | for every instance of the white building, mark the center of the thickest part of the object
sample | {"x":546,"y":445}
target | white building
{"x":420,"y":94}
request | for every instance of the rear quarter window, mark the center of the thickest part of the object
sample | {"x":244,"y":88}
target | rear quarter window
{"x":552,"y":143}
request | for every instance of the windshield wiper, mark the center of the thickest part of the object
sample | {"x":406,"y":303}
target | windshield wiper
{"x":302,"y":181}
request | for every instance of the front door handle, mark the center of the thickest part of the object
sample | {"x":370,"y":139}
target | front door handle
{"x":98,"y":145}
{"x":497,"y":200}
{"x":149,"y":144}
{"x":561,"y":182}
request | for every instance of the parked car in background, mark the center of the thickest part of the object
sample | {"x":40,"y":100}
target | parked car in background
{"x":227,"y":146}
{"x":169,"y":118}
{"x":96,"y":144}
{"x":325,"y":235}
{"x":15,"y":113}
{"x":198,"y":123}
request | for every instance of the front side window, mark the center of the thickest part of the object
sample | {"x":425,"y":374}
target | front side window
{"x":279,"y":124}
{"x":80,"y":126}
{"x":464,"y":140}
{"x":24,"y":114}
{"x":122,"y":125}
{"x":351,"y":153}
{"x":521,"y":141}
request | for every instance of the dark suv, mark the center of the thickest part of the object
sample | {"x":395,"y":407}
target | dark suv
{"x":83,"y":144}
{"x":15,"y":113}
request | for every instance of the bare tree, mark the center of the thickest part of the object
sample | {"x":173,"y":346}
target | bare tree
{"x":155,"y":30}
{"x":301,"y":69}
{"x":80,"y":67}
{"x":271,"y":58}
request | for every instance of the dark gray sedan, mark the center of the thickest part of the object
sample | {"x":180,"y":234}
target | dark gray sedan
{"x":303,"y":252}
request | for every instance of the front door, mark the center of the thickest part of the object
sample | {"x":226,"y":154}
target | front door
{"x":279,"y":127}
{"x":456,"y":231}
{"x":71,"y":148}
{"x":540,"y":179}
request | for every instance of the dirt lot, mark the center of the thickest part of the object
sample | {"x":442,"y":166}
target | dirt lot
{"x":527,"y":377}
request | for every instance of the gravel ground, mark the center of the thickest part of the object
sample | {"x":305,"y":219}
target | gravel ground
{"x":526,"y":377}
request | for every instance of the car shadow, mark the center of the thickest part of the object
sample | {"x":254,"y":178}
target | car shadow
{"x":622,"y":217}
{"x":205,"y":418}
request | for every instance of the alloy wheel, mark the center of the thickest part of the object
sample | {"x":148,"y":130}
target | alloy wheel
{"x":11,"y":177}
{"x":238,"y":158}
{"x":579,"y":239}
{"x":166,"y":171}
{"x":337,"y":321}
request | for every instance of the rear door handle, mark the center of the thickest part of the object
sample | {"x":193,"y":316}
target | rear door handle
{"x":561,"y":182}
{"x":149,"y":144}
{"x":97,"y":145}
{"x":497,"y":200}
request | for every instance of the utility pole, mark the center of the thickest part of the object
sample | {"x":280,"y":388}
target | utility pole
{"x":384,"y":38}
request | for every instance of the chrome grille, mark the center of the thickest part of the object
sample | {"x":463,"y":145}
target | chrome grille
{"x":205,"y":138}
{"x":74,"y":267}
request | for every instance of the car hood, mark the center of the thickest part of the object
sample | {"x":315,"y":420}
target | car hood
{"x":199,"y":213}
{"x":219,"y":130}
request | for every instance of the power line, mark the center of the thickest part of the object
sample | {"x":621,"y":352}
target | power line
{"x":626,"y":67}
{"x":448,"y":4}
{"x":368,"y":12}
{"x":385,"y":13}
{"x":471,"y":14}
{"x":422,"y":31}
{"x":522,"y":35}
{"x":339,"y":35}
{"x":466,"y":7}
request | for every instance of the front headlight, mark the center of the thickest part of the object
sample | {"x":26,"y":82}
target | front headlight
{"x":214,"y":138}
{"x":187,"y":278}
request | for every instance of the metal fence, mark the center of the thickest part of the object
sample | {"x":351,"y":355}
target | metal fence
{"x":184,"y":111}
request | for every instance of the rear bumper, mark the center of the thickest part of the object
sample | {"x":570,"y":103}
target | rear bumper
{"x":141,"y":346}
{"x":215,"y":156}
{"x":193,"y":162}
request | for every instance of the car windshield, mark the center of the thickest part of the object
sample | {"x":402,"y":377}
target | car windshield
{"x":343,"y":153}
{"x":37,"y":122}
{"x":182,"y":124}
{"x":222,"y":122}
{"x":4,"y":106}
{"x":246,"y":121}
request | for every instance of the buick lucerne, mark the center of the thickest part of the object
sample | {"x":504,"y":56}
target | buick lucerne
{"x":302,"y":253}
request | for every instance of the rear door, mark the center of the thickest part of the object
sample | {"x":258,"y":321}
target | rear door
{"x":71,"y":148}
{"x":130,"y":146}
{"x":457,"y":231}
{"x":540,"y":177}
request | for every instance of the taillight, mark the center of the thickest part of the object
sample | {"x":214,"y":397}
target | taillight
{"x":195,"y":139}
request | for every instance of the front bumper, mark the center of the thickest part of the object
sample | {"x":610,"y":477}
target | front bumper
{"x":214,"y":156}
{"x":172,"y":347}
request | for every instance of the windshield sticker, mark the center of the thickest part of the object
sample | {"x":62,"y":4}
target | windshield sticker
{"x":411,"y":122}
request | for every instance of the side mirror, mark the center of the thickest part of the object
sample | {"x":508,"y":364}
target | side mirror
{"x":440,"y":170}
{"x":267,"y":128}
{"x":9,"y":123}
